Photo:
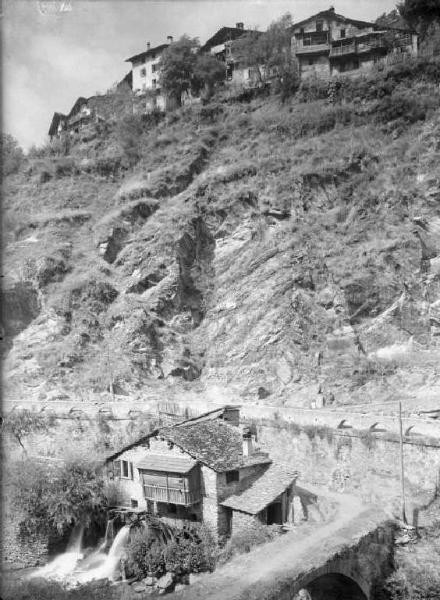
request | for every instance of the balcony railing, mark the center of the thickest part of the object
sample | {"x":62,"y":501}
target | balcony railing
{"x":343,"y":50}
{"x":171,"y":495}
{"x":312,"y":41}
{"x":369,"y":45}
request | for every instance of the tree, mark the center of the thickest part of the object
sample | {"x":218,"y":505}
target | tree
{"x":54,"y":496}
{"x":12,"y":154}
{"x":20,"y":424}
{"x":177,"y":67}
{"x":269,"y":53}
{"x":420,"y":14}
{"x":208,"y":71}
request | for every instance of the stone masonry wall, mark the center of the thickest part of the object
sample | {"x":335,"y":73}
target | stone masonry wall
{"x":365,"y":465}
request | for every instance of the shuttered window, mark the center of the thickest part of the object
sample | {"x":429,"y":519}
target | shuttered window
{"x":123,"y":469}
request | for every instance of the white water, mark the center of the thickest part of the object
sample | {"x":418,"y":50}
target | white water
{"x":72,"y":568}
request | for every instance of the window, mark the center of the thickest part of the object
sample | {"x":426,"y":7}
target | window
{"x":232,"y":476}
{"x":301,"y":31}
{"x":311,"y":62}
{"x":342,"y":33}
{"x":143,"y":72}
{"x":134,"y":503}
{"x":172,"y":508}
{"x":153,"y":68}
{"x":154,"y":83}
{"x":126,"y":469}
{"x":319,"y":25}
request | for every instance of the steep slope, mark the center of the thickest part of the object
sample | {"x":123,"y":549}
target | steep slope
{"x":253,"y":252}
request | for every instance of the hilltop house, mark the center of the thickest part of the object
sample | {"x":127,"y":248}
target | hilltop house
{"x":221,"y":45}
{"x":327,"y":44}
{"x":145,"y":69}
{"x":206,"y":469}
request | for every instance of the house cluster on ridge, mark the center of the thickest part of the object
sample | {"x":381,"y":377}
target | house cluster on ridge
{"x":206,"y":469}
{"x":324,"y":45}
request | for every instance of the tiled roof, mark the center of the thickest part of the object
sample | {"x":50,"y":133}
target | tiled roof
{"x":256,"y":496}
{"x":169,"y":464}
{"x":150,"y":52}
{"x":214,"y":443}
{"x":330,"y":14}
{"x":225,"y":34}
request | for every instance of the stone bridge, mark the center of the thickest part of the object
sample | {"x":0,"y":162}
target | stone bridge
{"x":347,"y":559}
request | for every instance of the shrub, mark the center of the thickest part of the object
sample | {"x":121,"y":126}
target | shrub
{"x":65,"y":166}
{"x":128,"y":133}
{"x":11,"y":153}
{"x":407,"y":107}
{"x":145,"y":554}
{"x":192,"y":549}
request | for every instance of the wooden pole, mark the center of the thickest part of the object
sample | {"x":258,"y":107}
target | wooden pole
{"x":402,"y":469}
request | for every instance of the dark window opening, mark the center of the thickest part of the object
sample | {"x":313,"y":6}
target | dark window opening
{"x":124,"y":468}
{"x":232,"y":476}
{"x":342,"y":33}
{"x":143,"y":72}
{"x":274,"y":514}
{"x":154,"y":68}
{"x":134,"y":503}
{"x":301,"y":31}
{"x":311,"y":62}
{"x":319,"y":25}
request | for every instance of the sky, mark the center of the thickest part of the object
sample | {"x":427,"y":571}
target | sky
{"x":49,"y":60}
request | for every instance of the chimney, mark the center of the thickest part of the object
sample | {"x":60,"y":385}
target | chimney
{"x":331,"y":9}
{"x":231,"y":414}
{"x":170,"y":39}
{"x":248,"y":442}
{"x":148,"y":45}
{"x":239,"y":25}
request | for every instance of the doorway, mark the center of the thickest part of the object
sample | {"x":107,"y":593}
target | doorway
{"x":274,"y":514}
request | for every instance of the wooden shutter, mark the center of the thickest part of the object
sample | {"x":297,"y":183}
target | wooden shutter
{"x":117,"y":468}
{"x":131,"y":470}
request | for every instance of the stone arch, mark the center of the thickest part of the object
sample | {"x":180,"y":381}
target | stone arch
{"x":339,"y":574}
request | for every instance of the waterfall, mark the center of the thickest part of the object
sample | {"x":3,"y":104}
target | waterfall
{"x":109,"y":566}
{"x":65,"y":563}
{"x":109,"y":535}
{"x":75,"y":539}
{"x":71,"y":568}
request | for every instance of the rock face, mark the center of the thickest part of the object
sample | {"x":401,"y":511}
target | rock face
{"x":237,"y":261}
{"x":20,"y":305}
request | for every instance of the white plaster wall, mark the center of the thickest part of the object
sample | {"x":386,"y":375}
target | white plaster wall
{"x":141,"y":82}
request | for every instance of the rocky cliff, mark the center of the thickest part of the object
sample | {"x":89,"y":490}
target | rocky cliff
{"x":283,"y":254}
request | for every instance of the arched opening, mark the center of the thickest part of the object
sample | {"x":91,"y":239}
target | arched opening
{"x":333,"y":586}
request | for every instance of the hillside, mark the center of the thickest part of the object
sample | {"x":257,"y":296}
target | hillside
{"x":240,"y":251}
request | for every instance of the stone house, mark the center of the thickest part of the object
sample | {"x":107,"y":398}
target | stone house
{"x":327,"y":44}
{"x":206,"y":469}
{"x":222,"y":46}
{"x":145,"y":71}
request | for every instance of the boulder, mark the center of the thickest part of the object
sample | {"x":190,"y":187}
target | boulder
{"x":166,"y":582}
{"x":150,"y":580}
{"x":138,"y":586}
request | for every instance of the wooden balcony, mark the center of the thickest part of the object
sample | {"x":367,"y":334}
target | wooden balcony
{"x":315,"y":48}
{"x":369,"y":45}
{"x":343,"y":50}
{"x":172,"y":495}
{"x":312,"y":42}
